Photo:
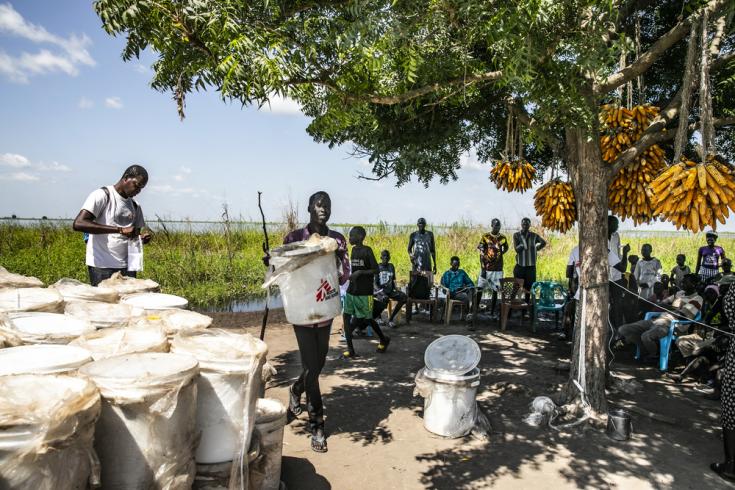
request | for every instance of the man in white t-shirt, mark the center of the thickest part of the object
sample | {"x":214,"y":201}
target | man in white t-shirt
{"x":114,"y":221}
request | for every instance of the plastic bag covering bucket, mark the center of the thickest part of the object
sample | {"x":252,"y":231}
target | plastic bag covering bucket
{"x":12,"y":280}
{"x":154,"y":301}
{"x":225,"y":361}
{"x":42,"y":359}
{"x":31,"y":299}
{"x":450,"y":408}
{"x":103,"y":315}
{"x":306,"y":274}
{"x":270,"y":419}
{"x":48,"y":328}
{"x":174,"y":321}
{"x":146,"y":434}
{"x":452,"y":355}
{"x":112,"y":342}
{"x":129,"y":285}
{"x":46,"y":431}
{"x":619,"y":426}
{"x":73,"y":290}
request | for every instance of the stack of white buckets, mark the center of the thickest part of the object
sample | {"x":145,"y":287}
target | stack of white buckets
{"x":449,"y":384}
{"x":161,"y":416}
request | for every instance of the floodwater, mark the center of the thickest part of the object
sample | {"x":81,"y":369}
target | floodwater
{"x":245,"y":305}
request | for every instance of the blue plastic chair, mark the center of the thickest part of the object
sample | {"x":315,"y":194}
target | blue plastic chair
{"x":664,"y":343}
{"x":547,"y":296}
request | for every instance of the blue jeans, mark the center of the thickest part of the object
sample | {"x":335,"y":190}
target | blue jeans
{"x":99,"y":274}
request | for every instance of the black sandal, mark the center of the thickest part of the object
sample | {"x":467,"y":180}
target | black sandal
{"x":383,"y":346}
{"x":319,"y":442}
{"x":719,"y":468}
{"x":294,"y":403}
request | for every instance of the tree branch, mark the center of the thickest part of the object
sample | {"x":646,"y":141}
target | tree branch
{"x":644,"y":61}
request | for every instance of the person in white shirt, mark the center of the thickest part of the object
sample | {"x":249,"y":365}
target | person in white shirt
{"x":646,"y":333}
{"x":647,"y":272}
{"x":114,"y":221}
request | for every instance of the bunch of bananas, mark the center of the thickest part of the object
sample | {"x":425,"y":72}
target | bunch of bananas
{"x":694,"y":196}
{"x":555,"y":203}
{"x":515,"y":175}
{"x":628,"y":196}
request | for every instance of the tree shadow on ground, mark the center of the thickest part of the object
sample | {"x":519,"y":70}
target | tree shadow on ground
{"x":517,"y":366}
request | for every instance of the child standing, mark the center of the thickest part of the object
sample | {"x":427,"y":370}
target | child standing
{"x":647,"y":271}
{"x":709,"y":258}
{"x":680,"y":270}
{"x":358,"y":306}
{"x":385,"y":289}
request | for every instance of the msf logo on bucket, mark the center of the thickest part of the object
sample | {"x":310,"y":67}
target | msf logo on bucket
{"x":325,"y":291}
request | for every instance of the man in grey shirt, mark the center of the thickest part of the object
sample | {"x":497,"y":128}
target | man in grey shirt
{"x":526,"y":243}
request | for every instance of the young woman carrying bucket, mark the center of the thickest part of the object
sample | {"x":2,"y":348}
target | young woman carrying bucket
{"x":313,"y":339}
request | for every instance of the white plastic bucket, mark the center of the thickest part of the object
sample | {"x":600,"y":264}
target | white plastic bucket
{"x":174,"y":321}
{"x":73,"y":290}
{"x":270,"y":419}
{"x":154,"y":301}
{"x":103,"y":315}
{"x":12,"y":280}
{"x":146,"y":433}
{"x":31,"y":299}
{"x":111,"y":342}
{"x":46,"y":432}
{"x":311,"y":293}
{"x":48,"y":328}
{"x":42,"y":359}
{"x":450,"y":408}
{"x":226,"y":360}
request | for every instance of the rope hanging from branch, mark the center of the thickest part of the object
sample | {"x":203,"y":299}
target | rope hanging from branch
{"x":707,"y":127}
{"x":682,"y":135}
{"x":639,"y":79}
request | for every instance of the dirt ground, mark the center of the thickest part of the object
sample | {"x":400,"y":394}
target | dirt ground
{"x":377,"y":439}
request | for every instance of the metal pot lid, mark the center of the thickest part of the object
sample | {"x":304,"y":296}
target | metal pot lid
{"x":452,"y":354}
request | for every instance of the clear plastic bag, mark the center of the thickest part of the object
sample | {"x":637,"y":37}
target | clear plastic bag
{"x":110,"y":342}
{"x":48,"y":427}
{"x":31,"y":299}
{"x":73,"y":290}
{"x":12,"y":280}
{"x":129,"y":285}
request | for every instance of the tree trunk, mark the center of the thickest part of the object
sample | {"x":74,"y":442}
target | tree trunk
{"x":590,"y":181}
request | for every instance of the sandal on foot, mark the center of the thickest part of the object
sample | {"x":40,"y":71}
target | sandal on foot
{"x":294,"y":403}
{"x":383,"y":346}
{"x":348,"y":355}
{"x":319,"y":442}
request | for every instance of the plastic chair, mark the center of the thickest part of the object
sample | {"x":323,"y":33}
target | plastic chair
{"x":432,"y":303}
{"x":664,"y":343}
{"x":510,"y":290}
{"x":546,"y":296}
{"x":451,"y":303}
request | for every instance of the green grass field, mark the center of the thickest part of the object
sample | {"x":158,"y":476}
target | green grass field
{"x":222,"y":263}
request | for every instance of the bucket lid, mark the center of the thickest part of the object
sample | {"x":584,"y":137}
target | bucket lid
{"x":176,"y":320}
{"x":268,"y":410}
{"x":29,"y":299}
{"x":102,"y":313}
{"x":452,"y":378}
{"x":452,"y":354}
{"x":34,"y":407}
{"x":42,"y":359}
{"x":111,"y":342}
{"x":220,"y":350}
{"x":154,"y":301}
{"x":37,"y":327}
{"x":315,"y":244}
{"x":132,"y":377}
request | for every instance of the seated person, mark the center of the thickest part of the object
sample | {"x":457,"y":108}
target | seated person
{"x":670,"y":287}
{"x":458,"y":282}
{"x":726,"y":271}
{"x":646,"y":333}
{"x":385,"y":289}
{"x":658,"y":293}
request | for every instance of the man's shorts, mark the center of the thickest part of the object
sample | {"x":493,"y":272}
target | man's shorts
{"x":490,"y":281}
{"x":358,"y":306}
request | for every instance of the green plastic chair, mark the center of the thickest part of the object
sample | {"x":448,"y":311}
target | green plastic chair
{"x":547,"y":296}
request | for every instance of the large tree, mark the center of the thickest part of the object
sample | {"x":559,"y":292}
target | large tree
{"x":415,"y":84}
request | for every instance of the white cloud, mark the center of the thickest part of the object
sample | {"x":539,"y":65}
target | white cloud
{"x":114,"y":103}
{"x":142,"y":69}
{"x":53,"y":167}
{"x":20,"y":177}
{"x":470,"y":161}
{"x":184,"y":172}
{"x":175,"y":191}
{"x":85,"y":103}
{"x":282,"y":106}
{"x":19,"y":68}
{"x":14,"y":160}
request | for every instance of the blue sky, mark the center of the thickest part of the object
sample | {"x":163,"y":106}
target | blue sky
{"x":74,"y":115}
